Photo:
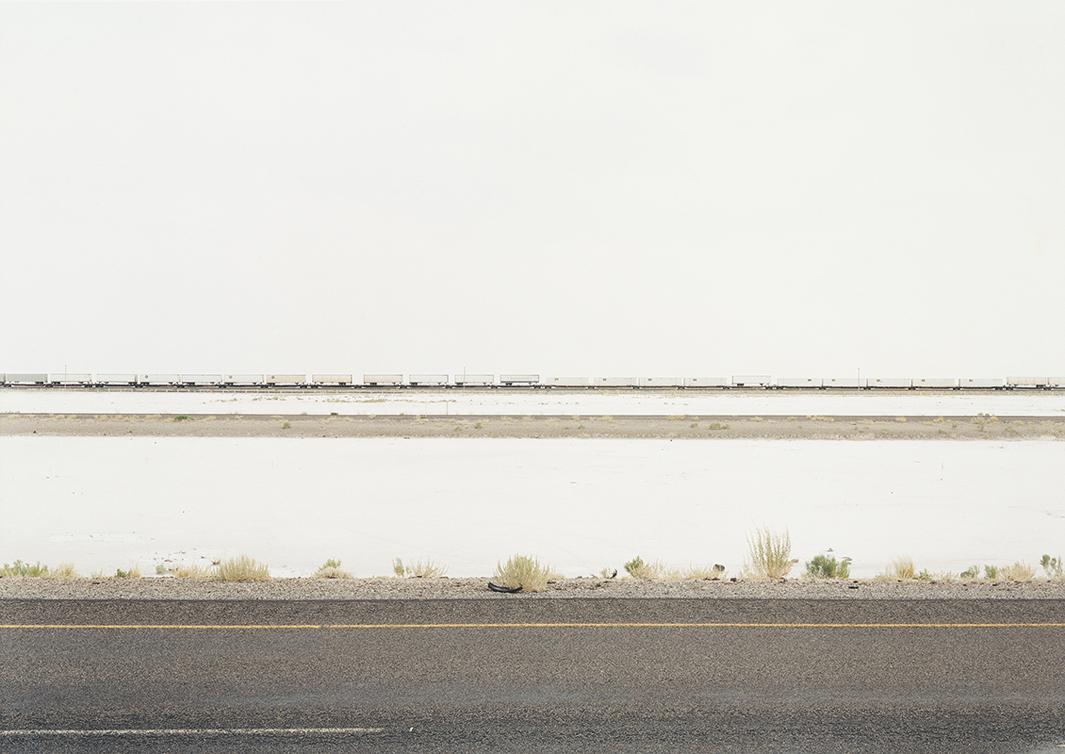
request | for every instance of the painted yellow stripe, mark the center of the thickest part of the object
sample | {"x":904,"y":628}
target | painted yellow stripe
{"x":475,"y":626}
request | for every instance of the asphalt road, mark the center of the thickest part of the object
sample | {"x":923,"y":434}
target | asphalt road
{"x":560,"y":675}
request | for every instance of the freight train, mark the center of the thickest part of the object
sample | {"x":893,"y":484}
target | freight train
{"x":396,"y":380}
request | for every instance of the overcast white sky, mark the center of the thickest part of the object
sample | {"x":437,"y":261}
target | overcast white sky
{"x":562,"y":187}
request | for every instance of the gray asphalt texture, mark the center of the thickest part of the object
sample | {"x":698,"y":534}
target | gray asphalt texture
{"x":522,"y":689}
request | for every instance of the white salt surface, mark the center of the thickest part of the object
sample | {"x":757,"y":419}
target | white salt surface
{"x":582,"y":505}
{"x":615,"y":403}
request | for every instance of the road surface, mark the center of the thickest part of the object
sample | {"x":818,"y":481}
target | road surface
{"x":522,"y":675}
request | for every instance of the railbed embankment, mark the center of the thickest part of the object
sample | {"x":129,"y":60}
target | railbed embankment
{"x":680,"y":427}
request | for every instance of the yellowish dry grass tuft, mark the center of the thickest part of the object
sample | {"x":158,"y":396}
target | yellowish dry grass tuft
{"x":524,"y":572}
{"x":423,"y":569}
{"x":241,"y":568}
{"x":901,"y":568}
{"x":769,"y":555}
{"x":331,"y":569}
{"x":1017,"y":572}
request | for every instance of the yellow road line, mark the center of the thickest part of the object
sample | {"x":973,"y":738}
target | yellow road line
{"x":476,"y":626}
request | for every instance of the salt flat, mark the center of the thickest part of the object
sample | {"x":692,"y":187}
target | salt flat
{"x":535,"y":402}
{"x":582,"y":505}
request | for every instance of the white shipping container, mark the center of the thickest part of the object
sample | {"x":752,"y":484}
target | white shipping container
{"x":751,"y":380}
{"x":244,"y":379}
{"x":982,"y":382}
{"x":661,"y":381}
{"x":567,"y":381}
{"x":286,"y":379}
{"x":201,"y":379}
{"x":853,"y":382}
{"x":475,"y":380}
{"x":615,"y":381}
{"x":161,"y":379}
{"x":707,"y":382}
{"x":119,"y":379}
{"x":519,"y":379}
{"x":331,"y":379}
{"x":25,"y":378}
{"x":935,"y":382}
{"x":70,"y":379}
{"x":798,"y":382}
{"x":436,"y":380}
{"x":1027,"y":381}
{"x":382,"y":379}
{"x":890,"y":382}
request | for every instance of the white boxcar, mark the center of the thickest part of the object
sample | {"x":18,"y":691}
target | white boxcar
{"x":851,"y":382}
{"x":889,"y":382}
{"x":519,"y":379}
{"x":331,"y":379}
{"x":286,"y":379}
{"x":201,"y":380}
{"x":567,"y":381}
{"x":798,"y":382}
{"x":661,"y":382}
{"x":1056,"y":381}
{"x":434,"y":380}
{"x":243,"y":379}
{"x":615,"y":381}
{"x":752,"y":380}
{"x":391,"y":380}
{"x":707,"y":382}
{"x":475,"y":380}
{"x":162,"y":379}
{"x":25,"y":379}
{"x":1027,"y":382}
{"x":70,"y":379}
{"x":982,"y":383}
{"x":119,"y":379}
{"x":935,"y":382}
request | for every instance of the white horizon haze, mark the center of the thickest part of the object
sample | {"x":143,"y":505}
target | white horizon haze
{"x":585,"y":188}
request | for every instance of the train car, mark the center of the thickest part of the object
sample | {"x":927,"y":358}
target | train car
{"x":896,"y":383}
{"x":1056,"y":382}
{"x":941,"y":383}
{"x":160,"y":380}
{"x":567,"y":382}
{"x":25,"y":378}
{"x":201,"y":380}
{"x":1027,"y":383}
{"x":791,"y":382}
{"x":67,"y":379}
{"x":286,"y":380}
{"x":615,"y":381}
{"x":428,"y":380}
{"x":475,"y":380}
{"x":243,"y":380}
{"x":333,"y":380}
{"x":718,"y":382}
{"x":665,"y":382}
{"x":382,"y":380}
{"x":981,"y":383}
{"x":752,"y":380}
{"x":841,"y":382}
{"x":527,"y":380}
{"x":118,"y":380}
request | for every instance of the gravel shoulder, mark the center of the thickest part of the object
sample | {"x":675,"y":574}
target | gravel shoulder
{"x":468,"y":588}
{"x":514,"y":426}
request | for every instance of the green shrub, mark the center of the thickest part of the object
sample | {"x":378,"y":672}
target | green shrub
{"x":827,"y":567}
{"x":1053,"y":567}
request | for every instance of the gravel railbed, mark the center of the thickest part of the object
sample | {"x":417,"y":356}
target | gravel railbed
{"x":465,"y":588}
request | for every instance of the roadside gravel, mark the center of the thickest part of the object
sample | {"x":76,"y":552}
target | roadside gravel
{"x":445,"y":588}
